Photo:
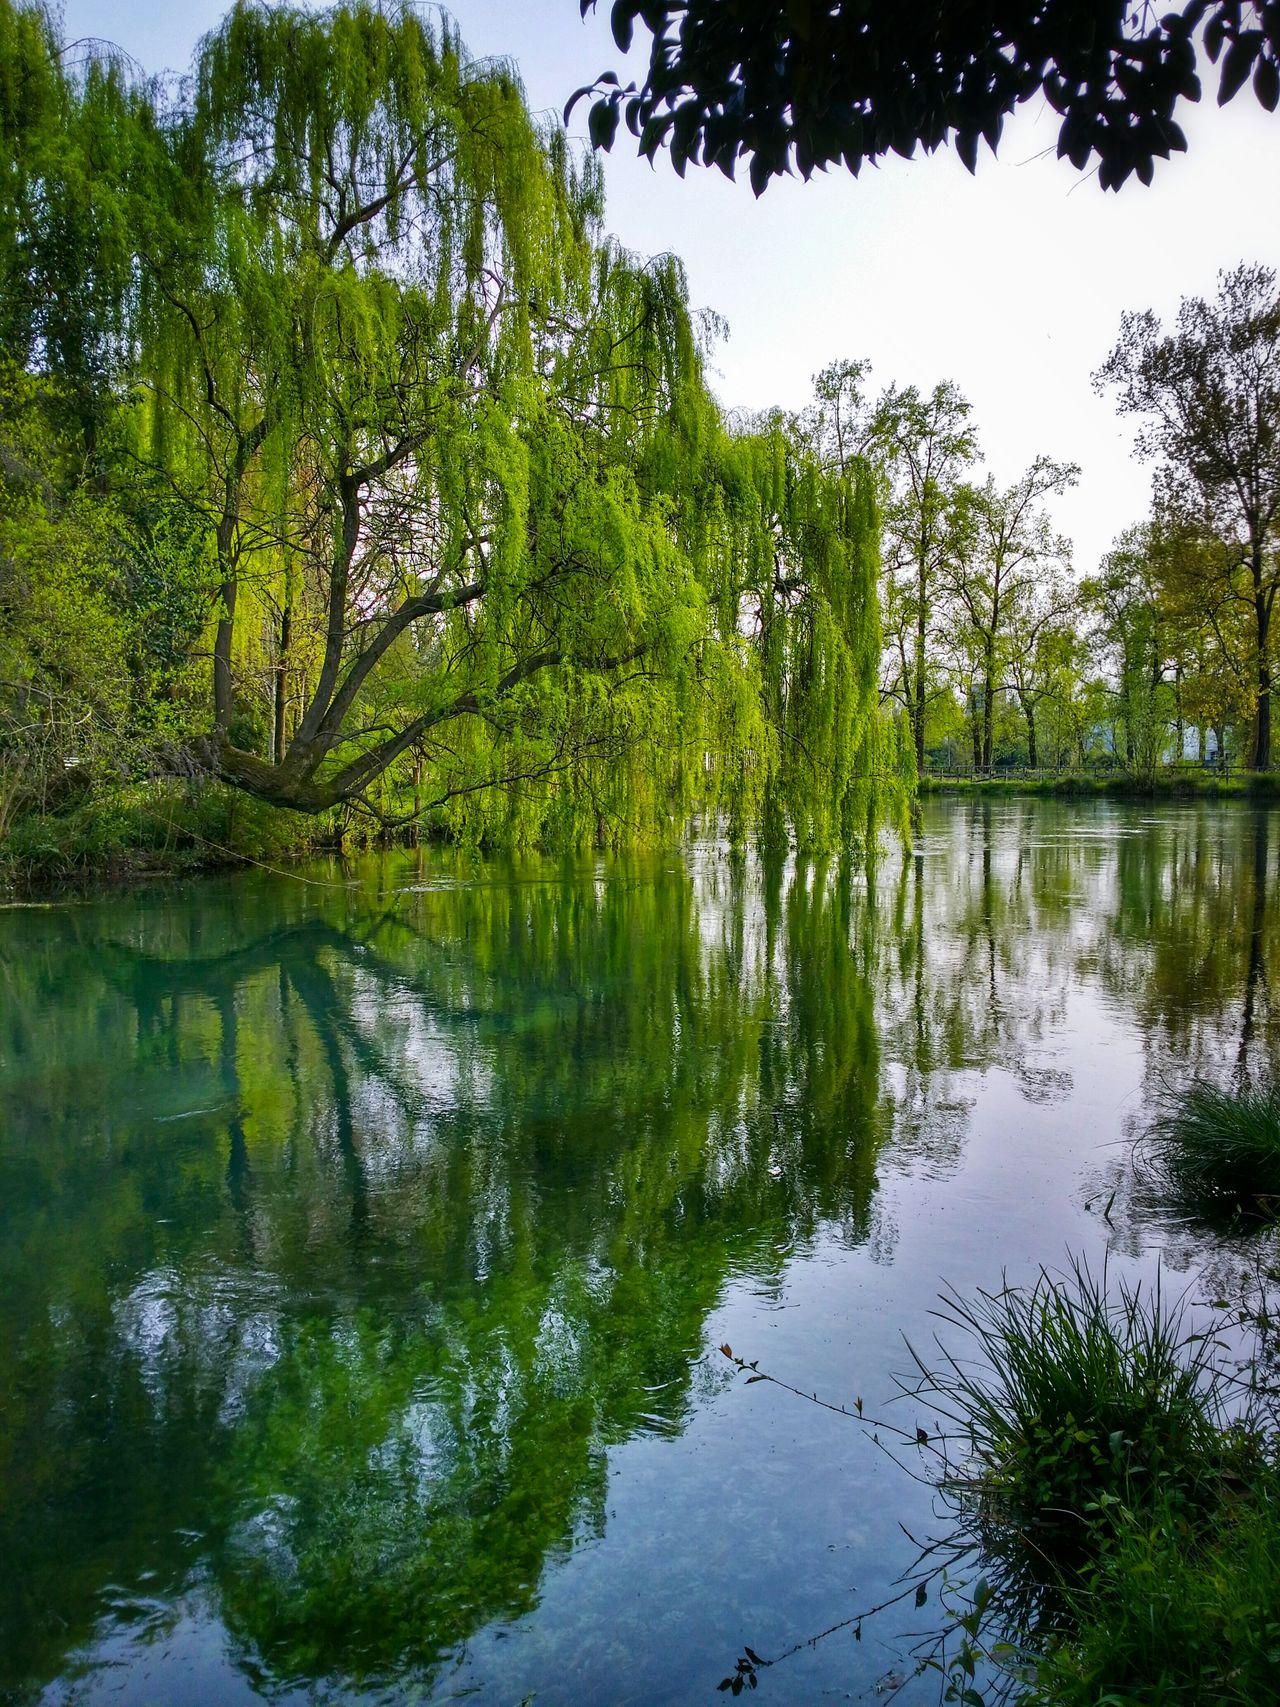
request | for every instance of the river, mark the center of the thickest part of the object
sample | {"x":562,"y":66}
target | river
{"x":367,"y":1236}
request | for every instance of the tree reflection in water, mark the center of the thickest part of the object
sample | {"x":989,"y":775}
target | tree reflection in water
{"x":345,"y":1226}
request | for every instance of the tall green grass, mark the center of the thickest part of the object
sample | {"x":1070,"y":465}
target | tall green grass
{"x":1069,"y":1400}
{"x":1219,"y":1149}
{"x":1126,"y":1512}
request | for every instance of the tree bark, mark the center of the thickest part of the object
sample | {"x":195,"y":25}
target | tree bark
{"x":1262,"y":597}
{"x":282,"y":671}
{"x":918,"y":711}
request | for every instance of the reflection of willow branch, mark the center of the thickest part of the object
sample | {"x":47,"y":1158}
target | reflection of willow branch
{"x":988,"y":911}
{"x":149,"y":979}
{"x":1256,"y":975}
{"x":917,"y":921}
{"x":237,"y":1150}
{"x":315,"y":989}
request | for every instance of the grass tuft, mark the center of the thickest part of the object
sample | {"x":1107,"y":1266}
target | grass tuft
{"x":1073,"y":1403}
{"x":1220,"y":1149}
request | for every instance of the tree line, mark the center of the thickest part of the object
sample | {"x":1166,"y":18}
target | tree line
{"x":996,"y":649}
{"x":348,"y":464}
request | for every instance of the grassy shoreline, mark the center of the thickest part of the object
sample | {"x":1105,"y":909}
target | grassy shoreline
{"x":1116,"y":785}
{"x":159,"y":831}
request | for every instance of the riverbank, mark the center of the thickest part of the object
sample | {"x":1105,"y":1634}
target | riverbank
{"x":166,"y":829}
{"x":1115,"y":785}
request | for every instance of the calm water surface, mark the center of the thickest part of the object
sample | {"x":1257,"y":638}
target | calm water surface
{"x":365,"y":1241}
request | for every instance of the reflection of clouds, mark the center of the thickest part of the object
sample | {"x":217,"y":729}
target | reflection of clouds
{"x":177,"y":1327}
{"x":265,"y":1538}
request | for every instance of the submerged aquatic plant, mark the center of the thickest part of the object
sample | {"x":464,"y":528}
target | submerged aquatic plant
{"x":1220,"y":1149}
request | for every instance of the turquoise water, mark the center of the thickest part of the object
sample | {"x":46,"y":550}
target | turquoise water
{"x":366,"y":1239}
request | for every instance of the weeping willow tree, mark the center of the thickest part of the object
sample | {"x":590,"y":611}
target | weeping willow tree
{"x":479,"y":546}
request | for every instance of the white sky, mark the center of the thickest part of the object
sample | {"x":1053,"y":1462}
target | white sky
{"x":1012,"y":283}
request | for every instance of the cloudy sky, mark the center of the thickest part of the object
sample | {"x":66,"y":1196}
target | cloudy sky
{"x":1011,"y":283}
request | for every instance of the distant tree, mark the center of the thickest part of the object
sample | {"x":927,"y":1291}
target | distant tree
{"x":924,"y":444}
{"x":1006,"y":545}
{"x":1208,"y":625}
{"x":1044,"y":661}
{"x":1210,"y":395}
{"x":1131,"y":642}
{"x":785,"y":84}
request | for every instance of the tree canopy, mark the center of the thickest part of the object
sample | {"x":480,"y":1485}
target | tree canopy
{"x":789,"y":85}
{"x":341,"y":324}
{"x":1208,"y":394}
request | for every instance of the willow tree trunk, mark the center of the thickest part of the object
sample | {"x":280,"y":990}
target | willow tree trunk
{"x":1262,"y":597}
{"x":281,"y":740}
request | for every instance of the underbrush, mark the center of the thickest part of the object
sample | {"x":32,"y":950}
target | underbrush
{"x":1175,"y":1616}
{"x":1219,"y":1150}
{"x":162,"y":828}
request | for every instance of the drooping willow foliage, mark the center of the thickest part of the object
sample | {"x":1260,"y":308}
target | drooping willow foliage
{"x":477,"y":546}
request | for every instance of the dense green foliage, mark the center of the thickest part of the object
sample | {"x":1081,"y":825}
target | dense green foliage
{"x":392,"y":485}
{"x":789,"y":86}
{"x":1167,"y":1619}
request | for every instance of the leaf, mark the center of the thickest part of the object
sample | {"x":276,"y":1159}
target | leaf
{"x":752,"y":1379}
{"x":602,"y":124}
{"x":1237,"y":65}
{"x":622,"y":23}
{"x":922,"y":1593}
{"x":753,"y":1657}
{"x":725,"y":1683}
{"x":922,"y":1436}
{"x":1266,"y":83}
{"x":726,"y":1350}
